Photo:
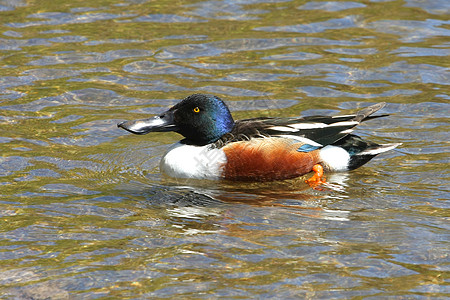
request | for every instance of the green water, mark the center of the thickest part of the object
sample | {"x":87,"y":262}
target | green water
{"x":86,"y":214}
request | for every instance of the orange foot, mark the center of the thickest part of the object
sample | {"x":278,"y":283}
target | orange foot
{"x":317,"y":179}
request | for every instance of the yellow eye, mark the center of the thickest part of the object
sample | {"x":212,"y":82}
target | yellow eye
{"x":196,"y":109}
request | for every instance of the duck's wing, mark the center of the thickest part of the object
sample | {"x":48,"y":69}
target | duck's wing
{"x":316,"y":131}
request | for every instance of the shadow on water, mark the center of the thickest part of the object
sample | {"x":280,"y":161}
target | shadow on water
{"x":199,"y":196}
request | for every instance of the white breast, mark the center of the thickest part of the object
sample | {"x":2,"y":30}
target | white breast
{"x":188,"y":161}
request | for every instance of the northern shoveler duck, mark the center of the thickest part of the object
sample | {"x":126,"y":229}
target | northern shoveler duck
{"x":260,"y":149}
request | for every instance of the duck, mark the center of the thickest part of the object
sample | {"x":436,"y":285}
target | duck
{"x":216,"y":147}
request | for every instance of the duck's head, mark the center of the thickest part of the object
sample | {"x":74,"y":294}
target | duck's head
{"x":200,"y":118}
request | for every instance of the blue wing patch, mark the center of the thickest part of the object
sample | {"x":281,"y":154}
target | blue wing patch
{"x":307,"y":148}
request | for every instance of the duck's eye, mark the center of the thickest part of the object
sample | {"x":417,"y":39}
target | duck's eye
{"x":196,"y":109}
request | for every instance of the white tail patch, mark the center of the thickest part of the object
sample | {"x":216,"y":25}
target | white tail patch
{"x":380,"y":149}
{"x":334,"y":158}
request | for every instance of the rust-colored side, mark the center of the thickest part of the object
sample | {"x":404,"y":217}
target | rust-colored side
{"x":267,"y":159}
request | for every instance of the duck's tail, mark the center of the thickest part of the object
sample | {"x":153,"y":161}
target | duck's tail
{"x":351,"y":152}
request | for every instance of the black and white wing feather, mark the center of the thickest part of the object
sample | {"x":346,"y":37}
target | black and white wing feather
{"x":317,"y":131}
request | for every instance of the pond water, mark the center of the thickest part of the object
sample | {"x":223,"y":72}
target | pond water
{"x":86,"y":214}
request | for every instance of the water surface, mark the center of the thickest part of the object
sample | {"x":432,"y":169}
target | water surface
{"x":86,"y":214}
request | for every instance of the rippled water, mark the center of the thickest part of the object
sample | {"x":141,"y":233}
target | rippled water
{"x":85,"y":213}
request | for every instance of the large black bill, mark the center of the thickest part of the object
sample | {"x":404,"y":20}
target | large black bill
{"x":160,"y":123}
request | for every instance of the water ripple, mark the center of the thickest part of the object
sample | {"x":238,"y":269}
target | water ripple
{"x":86,"y":212}
{"x":412,"y":31}
{"x":438,"y":7}
{"x":89,"y":57}
{"x":330,"y":5}
{"x":154,"y":68}
{"x":315,"y":91}
{"x":60,"y":18}
{"x":341,"y":23}
{"x":236,"y":45}
{"x":233,"y":11}
{"x":161,"y":18}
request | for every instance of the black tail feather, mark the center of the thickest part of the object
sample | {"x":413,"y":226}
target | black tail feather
{"x":361,"y":151}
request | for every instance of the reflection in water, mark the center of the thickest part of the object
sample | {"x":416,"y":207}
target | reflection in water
{"x":86,"y":213}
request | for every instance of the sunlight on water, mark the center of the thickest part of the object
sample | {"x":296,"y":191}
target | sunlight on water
{"x":86,"y":213}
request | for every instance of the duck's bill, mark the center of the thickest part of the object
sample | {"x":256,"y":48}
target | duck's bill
{"x":155,"y":124}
